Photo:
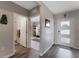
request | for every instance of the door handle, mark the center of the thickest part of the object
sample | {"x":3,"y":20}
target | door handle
{"x":58,"y":31}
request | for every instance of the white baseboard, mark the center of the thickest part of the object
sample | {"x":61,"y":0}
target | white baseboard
{"x":11,"y":54}
{"x":41,"y":54}
{"x":75,"y":47}
{"x":69,"y":46}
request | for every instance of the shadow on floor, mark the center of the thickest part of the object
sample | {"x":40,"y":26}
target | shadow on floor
{"x":60,"y":51}
{"x":22,"y":52}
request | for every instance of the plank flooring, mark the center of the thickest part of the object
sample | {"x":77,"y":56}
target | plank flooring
{"x":60,"y":51}
{"x":22,"y":52}
{"x":56,"y":51}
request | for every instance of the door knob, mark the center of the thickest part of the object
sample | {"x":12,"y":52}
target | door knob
{"x":58,"y":31}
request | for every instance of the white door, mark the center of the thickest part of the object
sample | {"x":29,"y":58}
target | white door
{"x":20,"y":23}
{"x":23,"y":31}
{"x":66,"y":31}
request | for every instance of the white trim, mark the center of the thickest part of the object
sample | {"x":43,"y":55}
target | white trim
{"x":41,"y":54}
{"x":72,"y":46}
{"x":11,"y":54}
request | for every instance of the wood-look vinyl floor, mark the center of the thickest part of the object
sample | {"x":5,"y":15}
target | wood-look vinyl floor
{"x":56,"y":51}
{"x":22,"y":52}
{"x":60,"y":51}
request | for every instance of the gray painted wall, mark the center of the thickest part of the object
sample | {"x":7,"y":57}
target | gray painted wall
{"x":6,"y":35}
{"x":6,"y":31}
{"x":47,"y":34}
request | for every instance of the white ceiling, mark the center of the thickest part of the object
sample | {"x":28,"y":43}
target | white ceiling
{"x":61,"y":6}
{"x":55,"y":6}
{"x":26,"y":4}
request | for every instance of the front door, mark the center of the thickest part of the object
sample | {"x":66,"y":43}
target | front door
{"x":65,"y":31}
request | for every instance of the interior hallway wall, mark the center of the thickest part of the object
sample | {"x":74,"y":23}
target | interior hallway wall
{"x":47,"y":34}
{"x":6,"y":31}
{"x":6,"y":35}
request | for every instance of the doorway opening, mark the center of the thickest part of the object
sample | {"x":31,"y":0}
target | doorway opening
{"x":20,"y":32}
{"x":35,"y":32}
